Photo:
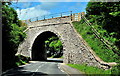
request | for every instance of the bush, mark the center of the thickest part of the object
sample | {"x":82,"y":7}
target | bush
{"x":21,"y":60}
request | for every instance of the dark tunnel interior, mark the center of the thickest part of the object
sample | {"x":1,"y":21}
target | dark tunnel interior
{"x":38,"y":48}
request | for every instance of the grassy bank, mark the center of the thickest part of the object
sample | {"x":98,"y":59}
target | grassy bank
{"x":100,"y":49}
{"x":89,"y":70}
{"x":94,"y":71}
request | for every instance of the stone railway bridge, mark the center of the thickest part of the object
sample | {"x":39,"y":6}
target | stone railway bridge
{"x":75,"y":49}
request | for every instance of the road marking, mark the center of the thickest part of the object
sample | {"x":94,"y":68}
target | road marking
{"x":37,"y":69}
{"x":61,"y":69}
{"x":24,"y":65}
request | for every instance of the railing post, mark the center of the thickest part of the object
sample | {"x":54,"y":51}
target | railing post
{"x":61,"y":14}
{"x":37,"y":18}
{"x":71,"y":15}
{"x":29,"y":20}
{"x":44,"y":17}
{"x":79,"y":17}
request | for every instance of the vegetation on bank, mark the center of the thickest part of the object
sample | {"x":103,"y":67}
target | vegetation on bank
{"x":12,"y":35}
{"x":104,"y":17}
{"x":86,"y":32}
{"x":89,"y":70}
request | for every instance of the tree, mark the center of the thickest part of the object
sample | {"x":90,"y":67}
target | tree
{"x":12,"y":35}
{"x":107,"y":16}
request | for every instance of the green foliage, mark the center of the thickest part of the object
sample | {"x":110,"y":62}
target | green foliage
{"x":21,"y":60}
{"x":98,"y":8}
{"x":18,"y":63}
{"x":115,"y":13}
{"x":102,"y":51}
{"x":54,"y":47}
{"x":106,"y":16}
{"x":90,"y":70}
{"x":12,"y":35}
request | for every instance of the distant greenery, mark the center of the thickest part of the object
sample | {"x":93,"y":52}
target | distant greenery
{"x":54,"y":47}
{"x":12,"y":35}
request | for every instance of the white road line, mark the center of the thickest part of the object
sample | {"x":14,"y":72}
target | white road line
{"x":37,"y":69}
{"x":61,"y":69}
{"x":24,"y":65}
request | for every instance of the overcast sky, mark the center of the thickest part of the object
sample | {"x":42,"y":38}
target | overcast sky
{"x":27,"y":9}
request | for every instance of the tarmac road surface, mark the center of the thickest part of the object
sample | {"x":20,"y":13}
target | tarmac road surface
{"x":37,"y":68}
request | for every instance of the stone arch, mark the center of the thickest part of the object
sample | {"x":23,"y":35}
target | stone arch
{"x":38,"y":51}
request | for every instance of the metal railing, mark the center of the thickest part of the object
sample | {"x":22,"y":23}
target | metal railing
{"x":69,"y":13}
{"x":98,"y":35}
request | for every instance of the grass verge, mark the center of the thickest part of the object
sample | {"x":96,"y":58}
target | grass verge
{"x":94,"y":71}
{"x":90,"y":70}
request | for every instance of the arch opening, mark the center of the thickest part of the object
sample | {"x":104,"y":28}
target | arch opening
{"x":41,"y":49}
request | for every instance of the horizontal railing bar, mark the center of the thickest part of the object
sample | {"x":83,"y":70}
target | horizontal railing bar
{"x":107,"y":43}
{"x":52,"y":14}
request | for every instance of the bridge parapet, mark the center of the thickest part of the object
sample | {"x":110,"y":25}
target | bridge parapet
{"x":56,"y":20}
{"x":51,"y":21}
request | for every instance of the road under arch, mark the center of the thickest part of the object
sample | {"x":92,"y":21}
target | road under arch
{"x":38,"y":48}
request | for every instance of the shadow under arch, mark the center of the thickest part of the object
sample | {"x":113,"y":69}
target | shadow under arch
{"x":38,"y":49}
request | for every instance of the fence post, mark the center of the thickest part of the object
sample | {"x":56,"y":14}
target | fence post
{"x":79,"y":17}
{"x":71,"y":15}
{"x":44,"y":17}
{"x":29,"y":20}
{"x":61,"y":14}
{"x":37,"y":18}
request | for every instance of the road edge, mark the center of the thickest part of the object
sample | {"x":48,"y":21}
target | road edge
{"x":69,"y":70}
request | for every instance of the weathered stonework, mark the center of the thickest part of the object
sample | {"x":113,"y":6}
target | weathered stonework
{"x":75,"y":49}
